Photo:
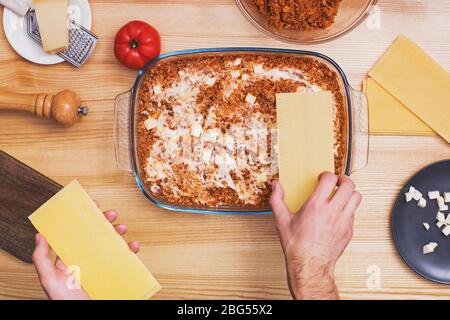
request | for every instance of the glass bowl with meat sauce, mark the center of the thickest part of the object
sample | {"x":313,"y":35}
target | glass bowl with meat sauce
{"x":303,"y":26}
{"x":133,"y":139}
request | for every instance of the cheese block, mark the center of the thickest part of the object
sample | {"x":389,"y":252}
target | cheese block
{"x":388,"y":116}
{"x":84,"y":239}
{"x":53,"y":24}
{"x":418,"y":82}
{"x":305,"y":142}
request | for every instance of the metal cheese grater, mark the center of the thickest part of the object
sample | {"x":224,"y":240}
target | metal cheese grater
{"x":81,"y":40}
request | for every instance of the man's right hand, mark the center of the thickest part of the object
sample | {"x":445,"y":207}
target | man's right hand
{"x":315,"y":237}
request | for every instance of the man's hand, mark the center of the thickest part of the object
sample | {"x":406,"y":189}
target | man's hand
{"x":315,"y":237}
{"x":54,"y":277}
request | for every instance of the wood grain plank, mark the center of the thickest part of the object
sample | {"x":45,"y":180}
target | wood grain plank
{"x":22,"y":191}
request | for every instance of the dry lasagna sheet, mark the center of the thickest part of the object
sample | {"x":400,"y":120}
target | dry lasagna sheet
{"x":207,"y":125}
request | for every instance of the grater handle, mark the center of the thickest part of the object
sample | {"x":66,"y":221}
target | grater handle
{"x":64,"y":107}
{"x":360,"y":131}
{"x":122,"y":131}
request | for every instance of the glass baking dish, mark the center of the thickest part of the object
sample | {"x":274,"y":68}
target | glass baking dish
{"x":126,"y":109}
{"x":351,"y":13}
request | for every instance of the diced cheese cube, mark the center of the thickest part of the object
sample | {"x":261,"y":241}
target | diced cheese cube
{"x":411,"y":189}
{"x":230,"y":182}
{"x":207,"y":154}
{"x":154,"y":188}
{"x":218,"y":159}
{"x":440,"y":217}
{"x":432,"y":195}
{"x":193,"y":78}
{"x":151,"y":123}
{"x":446,"y":196}
{"x":157,"y":90}
{"x":429,"y":247}
{"x":440,"y":202}
{"x":439,"y":224}
{"x":196,"y":130}
{"x":447,"y":220}
{"x":417,"y":195}
{"x":261,"y":177}
{"x":168,"y":133}
{"x":230,"y":162}
{"x":250,"y":98}
{"x":184,"y":96}
{"x":426,"y":225}
{"x":210,"y":81}
{"x":426,"y":249}
{"x":408,"y":196}
{"x":257,"y":68}
{"x":229,"y":142}
{"x":422,"y":203}
{"x":210,"y":135}
{"x":235,"y":74}
{"x":446,"y":230}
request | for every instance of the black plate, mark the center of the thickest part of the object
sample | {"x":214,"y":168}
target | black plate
{"x":407,"y":229}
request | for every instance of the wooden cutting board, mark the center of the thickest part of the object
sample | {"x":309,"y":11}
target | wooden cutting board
{"x":22,"y":191}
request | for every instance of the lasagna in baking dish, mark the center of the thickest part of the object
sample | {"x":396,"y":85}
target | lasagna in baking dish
{"x":206,"y":125}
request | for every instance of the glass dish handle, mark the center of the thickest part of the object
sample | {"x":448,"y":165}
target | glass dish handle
{"x":360,"y":131}
{"x":122,"y":142}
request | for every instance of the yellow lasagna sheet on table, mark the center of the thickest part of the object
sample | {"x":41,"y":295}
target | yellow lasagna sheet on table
{"x":84,"y":239}
{"x":305,"y":142}
{"x":388,"y":116}
{"x":418,"y":82}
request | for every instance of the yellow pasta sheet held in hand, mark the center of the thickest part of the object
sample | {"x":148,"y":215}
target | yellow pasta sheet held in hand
{"x":388,"y":116}
{"x":83,"y":238}
{"x":305,"y":142}
{"x":418,"y":82}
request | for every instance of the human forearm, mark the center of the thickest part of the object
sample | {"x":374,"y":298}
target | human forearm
{"x":314,"y":237}
{"x":309,"y":280}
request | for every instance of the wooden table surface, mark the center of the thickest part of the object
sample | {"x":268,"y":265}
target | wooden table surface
{"x":204,"y":256}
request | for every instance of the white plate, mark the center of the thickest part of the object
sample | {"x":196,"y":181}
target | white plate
{"x":16,"y":32}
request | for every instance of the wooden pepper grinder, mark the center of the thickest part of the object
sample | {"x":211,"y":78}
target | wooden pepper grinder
{"x":64,"y":107}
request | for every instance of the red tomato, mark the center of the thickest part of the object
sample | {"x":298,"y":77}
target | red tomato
{"x":137,"y":43}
